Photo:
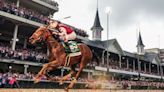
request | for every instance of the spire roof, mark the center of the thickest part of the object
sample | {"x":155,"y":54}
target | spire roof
{"x":97,"y":24}
{"x":140,"y":43}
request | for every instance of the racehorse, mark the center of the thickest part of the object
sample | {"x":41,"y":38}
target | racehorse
{"x":57,"y":56}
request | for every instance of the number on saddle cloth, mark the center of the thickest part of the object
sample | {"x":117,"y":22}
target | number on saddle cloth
{"x":71,"y":47}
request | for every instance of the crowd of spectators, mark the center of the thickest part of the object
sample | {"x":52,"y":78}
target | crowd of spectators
{"x":31,"y":14}
{"x":8,"y":80}
{"x":51,"y":2}
{"x":22,"y":54}
{"x":23,"y":12}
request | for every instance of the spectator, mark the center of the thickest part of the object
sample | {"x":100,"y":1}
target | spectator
{"x":13,"y":82}
{"x":0,"y":80}
{"x":4,"y":80}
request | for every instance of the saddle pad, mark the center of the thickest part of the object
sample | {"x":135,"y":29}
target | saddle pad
{"x":73,"y":46}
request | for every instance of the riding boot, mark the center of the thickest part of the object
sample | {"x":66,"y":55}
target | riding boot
{"x":68,"y":50}
{"x":66,"y":46}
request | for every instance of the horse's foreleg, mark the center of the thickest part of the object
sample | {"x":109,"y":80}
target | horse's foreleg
{"x":40,"y":74}
{"x":47,"y":67}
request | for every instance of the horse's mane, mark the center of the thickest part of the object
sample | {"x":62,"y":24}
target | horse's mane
{"x":56,"y":37}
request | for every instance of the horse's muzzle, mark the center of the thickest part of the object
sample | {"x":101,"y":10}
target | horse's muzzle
{"x":31,"y":40}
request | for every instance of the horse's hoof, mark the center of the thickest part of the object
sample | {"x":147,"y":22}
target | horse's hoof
{"x":36,"y":80}
{"x":61,"y":83}
{"x":66,"y":90}
{"x":70,"y":86}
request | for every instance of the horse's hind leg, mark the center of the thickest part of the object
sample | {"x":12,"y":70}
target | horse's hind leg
{"x":75,"y":79}
{"x":82,"y":64}
{"x":72,"y":72}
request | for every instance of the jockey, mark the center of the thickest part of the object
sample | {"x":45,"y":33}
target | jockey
{"x":65,"y":33}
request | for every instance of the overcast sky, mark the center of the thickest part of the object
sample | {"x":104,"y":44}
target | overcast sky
{"x":125,"y":19}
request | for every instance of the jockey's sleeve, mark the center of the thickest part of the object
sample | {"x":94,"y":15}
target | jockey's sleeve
{"x":63,"y":31}
{"x":67,"y":29}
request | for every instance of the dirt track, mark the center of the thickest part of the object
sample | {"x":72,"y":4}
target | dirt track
{"x":81,"y":90}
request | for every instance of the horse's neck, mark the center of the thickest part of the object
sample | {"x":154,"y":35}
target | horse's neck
{"x":54,"y":44}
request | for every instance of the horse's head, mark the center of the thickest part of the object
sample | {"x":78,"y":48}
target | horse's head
{"x":39,"y":35}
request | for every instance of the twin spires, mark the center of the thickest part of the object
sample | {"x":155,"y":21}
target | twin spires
{"x":139,"y":42}
{"x":96,"y":28}
{"x":140,"y":46}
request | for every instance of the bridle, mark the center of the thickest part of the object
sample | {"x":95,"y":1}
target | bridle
{"x":40,"y":36}
{"x":44,"y":33}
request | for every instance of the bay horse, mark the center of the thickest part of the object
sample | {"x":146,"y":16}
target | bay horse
{"x":57,"y":56}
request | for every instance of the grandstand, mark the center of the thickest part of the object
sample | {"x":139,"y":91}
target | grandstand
{"x":19,"y":19}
